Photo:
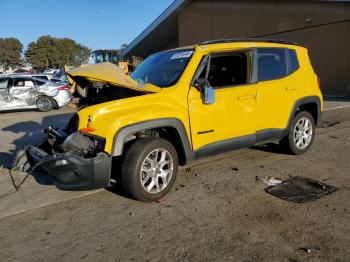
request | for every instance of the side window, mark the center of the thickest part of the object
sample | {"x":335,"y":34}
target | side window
{"x":18,"y":82}
{"x":293,"y":64}
{"x":272,"y":63}
{"x":229,"y":69}
{"x":3,"y":83}
{"x":28,"y":82}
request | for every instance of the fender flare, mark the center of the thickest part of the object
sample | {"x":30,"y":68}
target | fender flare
{"x":122,"y":134}
{"x":300,"y":102}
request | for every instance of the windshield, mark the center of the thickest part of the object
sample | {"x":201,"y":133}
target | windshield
{"x":163,"y":69}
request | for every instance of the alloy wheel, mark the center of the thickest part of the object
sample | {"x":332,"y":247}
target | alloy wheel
{"x":156,"y":171}
{"x":44,"y":103}
{"x":302,"y":134}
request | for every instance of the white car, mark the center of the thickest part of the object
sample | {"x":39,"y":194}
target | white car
{"x":28,"y":92}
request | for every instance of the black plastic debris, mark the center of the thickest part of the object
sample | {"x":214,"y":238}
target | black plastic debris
{"x":300,"y":190}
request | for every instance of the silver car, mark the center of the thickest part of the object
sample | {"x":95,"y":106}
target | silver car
{"x":28,"y":92}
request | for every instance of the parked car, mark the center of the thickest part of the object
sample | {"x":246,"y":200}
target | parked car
{"x":25,"y":92}
{"x":22,"y":71}
{"x":179,"y":106}
{"x":50,"y":71}
{"x":59,"y":76}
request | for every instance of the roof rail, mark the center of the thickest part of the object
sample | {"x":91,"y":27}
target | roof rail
{"x":233,"y":40}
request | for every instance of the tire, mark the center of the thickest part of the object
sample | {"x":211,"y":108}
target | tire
{"x":139,"y":163}
{"x":44,"y":103}
{"x":298,"y":141}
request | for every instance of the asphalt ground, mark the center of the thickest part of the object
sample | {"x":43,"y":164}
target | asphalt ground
{"x":215,"y":212}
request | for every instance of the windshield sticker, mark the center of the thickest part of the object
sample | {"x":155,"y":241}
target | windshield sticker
{"x":182,"y":55}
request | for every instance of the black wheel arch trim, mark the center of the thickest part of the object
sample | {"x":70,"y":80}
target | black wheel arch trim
{"x":304,"y":101}
{"x":220,"y":146}
{"x":122,"y":134}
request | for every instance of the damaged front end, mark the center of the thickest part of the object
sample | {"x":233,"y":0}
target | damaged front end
{"x":104,"y":82}
{"x":74,"y":160}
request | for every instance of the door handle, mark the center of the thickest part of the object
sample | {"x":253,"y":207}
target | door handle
{"x":291,"y":88}
{"x":247,"y":97}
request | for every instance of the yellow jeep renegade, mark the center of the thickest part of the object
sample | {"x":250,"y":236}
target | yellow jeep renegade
{"x":178,"y":106}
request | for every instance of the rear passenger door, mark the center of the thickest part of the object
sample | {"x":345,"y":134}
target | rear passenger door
{"x":276,"y":89}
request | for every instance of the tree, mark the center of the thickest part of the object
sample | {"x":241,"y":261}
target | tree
{"x":82,"y":54}
{"x":10,"y":52}
{"x":50,"y":52}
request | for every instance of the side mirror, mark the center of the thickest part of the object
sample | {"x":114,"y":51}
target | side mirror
{"x":207,"y":91}
{"x":209,"y":95}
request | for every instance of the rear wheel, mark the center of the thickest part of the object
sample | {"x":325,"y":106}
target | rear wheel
{"x":149,"y":169}
{"x":301,"y":134}
{"x":44,"y":103}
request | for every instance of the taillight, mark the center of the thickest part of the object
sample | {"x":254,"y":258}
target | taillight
{"x":65,"y":87}
{"x":319,"y":81}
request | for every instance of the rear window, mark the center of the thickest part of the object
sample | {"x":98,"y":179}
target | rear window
{"x":272,"y":63}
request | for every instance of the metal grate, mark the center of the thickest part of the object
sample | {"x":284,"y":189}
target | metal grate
{"x":300,"y":190}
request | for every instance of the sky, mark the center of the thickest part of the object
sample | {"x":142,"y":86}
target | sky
{"x":97,"y":24}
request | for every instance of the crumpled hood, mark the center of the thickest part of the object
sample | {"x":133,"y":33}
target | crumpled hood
{"x":112,"y":74}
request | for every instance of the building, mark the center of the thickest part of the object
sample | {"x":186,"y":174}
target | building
{"x":321,"y":26}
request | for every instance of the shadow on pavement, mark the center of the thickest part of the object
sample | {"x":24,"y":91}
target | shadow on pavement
{"x":271,"y":148}
{"x":18,"y":110}
{"x":118,"y":190}
{"x":32,"y":135}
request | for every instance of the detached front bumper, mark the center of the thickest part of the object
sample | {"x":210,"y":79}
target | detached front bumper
{"x":70,"y":171}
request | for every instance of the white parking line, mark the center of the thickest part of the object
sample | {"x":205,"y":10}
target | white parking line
{"x":334,"y":108}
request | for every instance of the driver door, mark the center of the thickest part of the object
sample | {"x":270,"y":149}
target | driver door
{"x":232,"y":116}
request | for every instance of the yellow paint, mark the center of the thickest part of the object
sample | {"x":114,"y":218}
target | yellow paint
{"x":238,"y":111}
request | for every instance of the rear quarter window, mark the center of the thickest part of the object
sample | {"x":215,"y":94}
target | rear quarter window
{"x":293,"y":64}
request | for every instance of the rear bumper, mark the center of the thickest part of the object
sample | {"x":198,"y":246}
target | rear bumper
{"x":63,"y":98}
{"x":72,"y":172}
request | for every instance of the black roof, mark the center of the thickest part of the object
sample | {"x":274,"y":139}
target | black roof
{"x":262,"y":40}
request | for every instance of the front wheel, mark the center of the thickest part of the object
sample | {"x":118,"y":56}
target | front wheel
{"x":149,"y":169}
{"x":301,"y":134}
